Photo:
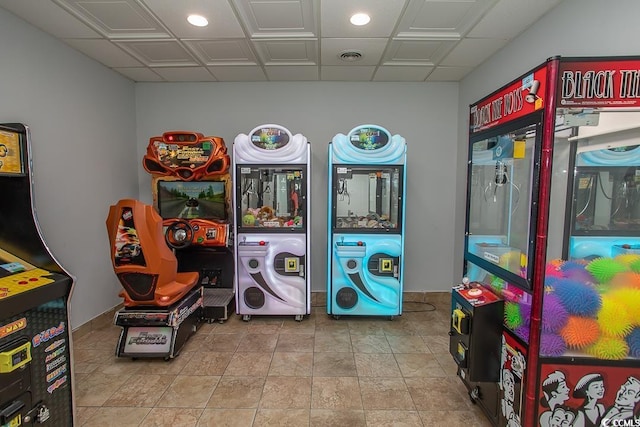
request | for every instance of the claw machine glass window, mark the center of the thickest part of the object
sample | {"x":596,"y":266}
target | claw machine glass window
{"x":271,"y":197}
{"x":501,"y":182}
{"x":367,"y":198}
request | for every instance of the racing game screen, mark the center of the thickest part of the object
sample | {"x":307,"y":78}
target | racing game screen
{"x":193,"y":199}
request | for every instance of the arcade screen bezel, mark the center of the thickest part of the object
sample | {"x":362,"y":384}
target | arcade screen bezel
{"x":20,"y":137}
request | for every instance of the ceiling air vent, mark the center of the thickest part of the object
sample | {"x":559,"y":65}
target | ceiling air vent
{"x":350,"y":56}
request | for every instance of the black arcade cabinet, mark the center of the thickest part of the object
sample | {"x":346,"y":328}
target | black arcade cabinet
{"x":35,"y":338}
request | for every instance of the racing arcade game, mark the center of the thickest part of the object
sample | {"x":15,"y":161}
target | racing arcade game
{"x":35,"y":336}
{"x":367,"y":177}
{"x":174,"y":258}
{"x":271,"y":175}
{"x":553,"y":230}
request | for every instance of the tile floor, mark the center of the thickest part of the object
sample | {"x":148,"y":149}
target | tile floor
{"x":274,"y":371}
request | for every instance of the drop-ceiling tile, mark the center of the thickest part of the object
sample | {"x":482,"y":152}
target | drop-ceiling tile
{"x":287,"y":52}
{"x":414,"y":52}
{"x":370,"y":49}
{"x":278,"y":18}
{"x":138,"y":74}
{"x":335,"y":16}
{"x":292,"y":73}
{"x":116,"y":18}
{"x":222,"y":52}
{"x":50,"y":18}
{"x":401,"y":73}
{"x":158,"y":53}
{"x":450,"y":19}
{"x":355,"y":73}
{"x":104,"y":51}
{"x":238,"y":73}
{"x":222,"y":20}
{"x":448,"y":74}
{"x":185,"y":74}
{"x":472,"y":52}
{"x":499,"y":22}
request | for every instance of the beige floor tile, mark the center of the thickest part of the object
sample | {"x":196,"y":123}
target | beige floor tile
{"x":407,"y":344}
{"x":436,"y":394}
{"x":419,"y":365}
{"x":258,"y":342}
{"x":249,"y":364}
{"x":291,"y":364}
{"x":334,"y":365}
{"x":453,"y":419}
{"x":264,"y":326}
{"x":295,"y":343}
{"x":237,"y":392}
{"x":226,"y":418}
{"x":370,"y":344}
{"x":281,"y":418}
{"x":385,"y":393}
{"x":335,"y":393}
{"x":172,"y":417}
{"x":162,"y":367}
{"x":189,"y":391}
{"x":117,"y":417}
{"x":331,"y":418}
{"x":222,"y":342}
{"x":376,"y":365}
{"x":397,"y":419}
{"x":333,"y":341}
{"x":286,"y":393}
{"x":367,"y":325}
{"x":437,"y":343}
{"x":207,"y":363}
{"x":306,"y":326}
{"x":140,"y":390}
{"x":95,"y":390}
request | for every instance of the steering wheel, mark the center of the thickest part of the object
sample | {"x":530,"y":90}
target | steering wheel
{"x":179,"y":234}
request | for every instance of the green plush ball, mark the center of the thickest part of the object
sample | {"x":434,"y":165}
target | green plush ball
{"x":248,"y":220}
{"x":604,"y":269}
{"x":512,"y":315}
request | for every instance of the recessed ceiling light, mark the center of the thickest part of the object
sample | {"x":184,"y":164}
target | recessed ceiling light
{"x":360,"y":19}
{"x":197,"y":20}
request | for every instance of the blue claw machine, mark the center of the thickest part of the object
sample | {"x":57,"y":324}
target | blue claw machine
{"x":367,"y":177}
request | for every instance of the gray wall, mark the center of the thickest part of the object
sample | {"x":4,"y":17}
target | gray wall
{"x":573,"y":28}
{"x":423,"y":113}
{"x":82,"y":121}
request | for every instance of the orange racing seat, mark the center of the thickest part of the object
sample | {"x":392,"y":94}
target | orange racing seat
{"x":141,"y":259}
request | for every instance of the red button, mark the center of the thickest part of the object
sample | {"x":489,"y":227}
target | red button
{"x":22,"y":282}
{"x":262,"y":243}
{"x":33,"y":279}
{"x":360,"y":243}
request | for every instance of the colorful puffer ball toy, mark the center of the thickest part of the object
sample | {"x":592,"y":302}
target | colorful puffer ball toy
{"x":579,"y":275}
{"x":604,"y":269}
{"x":512,"y":316}
{"x":628,"y":299}
{"x":554,"y":315}
{"x":609,"y":348}
{"x":553,"y":270}
{"x":497,"y":284}
{"x":628,"y":279}
{"x":614,"y":319}
{"x":627,"y":259}
{"x":580,"y":332}
{"x":552,"y":345}
{"x":635,"y":266}
{"x":633,"y":341}
{"x":523,"y":332}
{"x":578,"y":298}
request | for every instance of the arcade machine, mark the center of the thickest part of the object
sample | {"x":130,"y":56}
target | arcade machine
{"x":551,"y":251}
{"x":174,"y":259}
{"x":367,"y":177}
{"x":35,"y":336}
{"x":271,"y":176}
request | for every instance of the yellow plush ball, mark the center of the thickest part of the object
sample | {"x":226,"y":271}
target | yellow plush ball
{"x":609,"y":348}
{"x":613,"y":319}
